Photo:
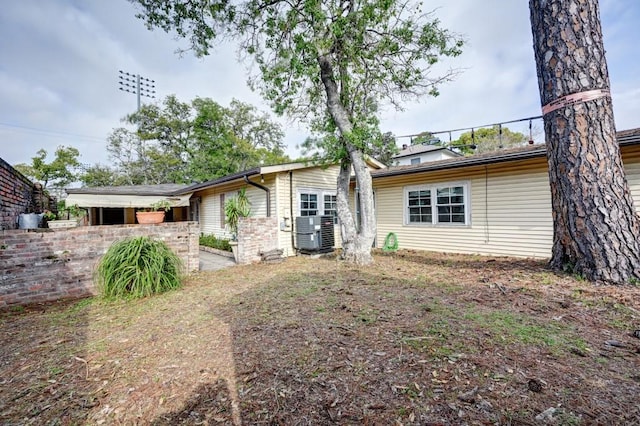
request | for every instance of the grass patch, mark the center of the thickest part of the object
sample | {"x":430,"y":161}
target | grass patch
{"x":138,"y":267}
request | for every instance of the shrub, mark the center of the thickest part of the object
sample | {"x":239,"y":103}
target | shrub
{"x":138,"y":267}
{"x":235,"y":208}
{"x":214,"y":242}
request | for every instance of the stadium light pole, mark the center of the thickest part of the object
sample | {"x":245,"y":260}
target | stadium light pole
{"x":135,"y":83}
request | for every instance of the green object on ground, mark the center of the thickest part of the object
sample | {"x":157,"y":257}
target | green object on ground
{"x":138,"y":267}
{"x":390,"y":243}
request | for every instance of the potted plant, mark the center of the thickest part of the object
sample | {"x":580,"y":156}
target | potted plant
{"x":153,"y":214}
{"x":73,"y":215}
{"x":234,"y":209}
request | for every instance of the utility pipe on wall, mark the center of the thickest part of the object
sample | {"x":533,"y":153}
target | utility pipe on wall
{"x":265,"y":189}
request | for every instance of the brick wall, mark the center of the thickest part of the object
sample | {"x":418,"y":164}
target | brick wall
{"x":256,"y":234}
{"x":19,"y":195}
{"x":51,"y":265}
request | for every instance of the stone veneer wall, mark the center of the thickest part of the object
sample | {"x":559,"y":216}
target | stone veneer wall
{"x":255,"y":235}
{"x":44,"y":265}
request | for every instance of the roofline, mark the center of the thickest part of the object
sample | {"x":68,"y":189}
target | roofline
{"x":440,"y":148}
{"x":223,"y":179}
{"x":464,"y":162}
{"x":264,"y":170}
{"x":142,"y":194}
{"x":625,"y":138}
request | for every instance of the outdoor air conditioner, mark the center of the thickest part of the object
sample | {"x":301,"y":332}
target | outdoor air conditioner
{"x":314,"y":234}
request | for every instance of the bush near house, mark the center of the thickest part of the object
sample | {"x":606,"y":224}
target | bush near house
{"x":138,"y":267}
{"x":214,"y":242}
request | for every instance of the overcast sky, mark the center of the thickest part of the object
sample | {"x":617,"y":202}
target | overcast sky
{"x":60,"y":60}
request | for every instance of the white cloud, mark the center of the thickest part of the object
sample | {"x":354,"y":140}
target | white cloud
{"x":60,"y":62}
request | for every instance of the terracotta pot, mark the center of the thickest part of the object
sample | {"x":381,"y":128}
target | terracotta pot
{"x":145,"y":218}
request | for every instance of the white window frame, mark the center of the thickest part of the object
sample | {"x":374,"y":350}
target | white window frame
{"x":320,"y":193}
{"x":433,"y":187}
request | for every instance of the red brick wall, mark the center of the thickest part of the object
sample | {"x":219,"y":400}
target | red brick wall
{"x":256,"y":234}
{"x":51,"y":265}
{"x":19,"y":195}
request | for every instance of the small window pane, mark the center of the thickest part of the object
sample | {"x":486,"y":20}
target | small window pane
{"x":419,"y":206}
{"x":330,"y":207}
{"x":450,"y":204}
{"x":308,"y":204}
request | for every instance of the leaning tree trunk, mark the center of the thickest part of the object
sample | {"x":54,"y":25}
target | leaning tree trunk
{"x":356,"y":243}
{"x":596,"y":228}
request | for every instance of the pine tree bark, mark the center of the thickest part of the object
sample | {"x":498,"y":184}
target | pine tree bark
{"x":596,"y":227}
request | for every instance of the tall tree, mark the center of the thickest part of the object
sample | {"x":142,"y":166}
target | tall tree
{"x":330,"y":63}
{"x":100,"y":175}
{"x":488,"y":139}
{"x":596,"y":227}
{"x":178,"y":142}
{"x":58,"y":173}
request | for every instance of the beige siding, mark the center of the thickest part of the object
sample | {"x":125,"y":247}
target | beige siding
{"x":631,"y":158}
{"x":309,"y":179}
{"x":510,"y":209}
{"x":510,"y":212}
{"x":210,"y":205}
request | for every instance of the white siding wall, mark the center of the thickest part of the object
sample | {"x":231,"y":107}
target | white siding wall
{"x":510,"y":209}
{"x":510,"y":212}
{"x":313,"y":178}
{"x":425,"y":157}
{"x":210,"y":206}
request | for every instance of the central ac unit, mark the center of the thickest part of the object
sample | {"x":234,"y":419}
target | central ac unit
{"x":314,"y":234}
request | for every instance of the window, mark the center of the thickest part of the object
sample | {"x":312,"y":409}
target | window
{"x":308,"y":204}
{"x":313,"y":202}
{"x":415,"y":161}
{"x":330,"y":208}
{"x":450,"y":204}
{"x":420,"y":210}
{"x":441,"y":204}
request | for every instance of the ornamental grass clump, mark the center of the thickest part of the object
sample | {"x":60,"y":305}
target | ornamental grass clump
{"x":138,"y":267}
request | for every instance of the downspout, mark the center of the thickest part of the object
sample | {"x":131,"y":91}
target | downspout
{"x":293,"y":240}
{"x":265,"y":189}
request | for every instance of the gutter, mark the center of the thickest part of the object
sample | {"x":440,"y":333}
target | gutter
{"x":293,"y":240}
{"x":265,"y":189}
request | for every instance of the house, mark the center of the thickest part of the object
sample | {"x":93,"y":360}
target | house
{"x":497,"y":203}
{"x":283,"y":192}
{"x":422,"y":153}
{"x":116,"y":205}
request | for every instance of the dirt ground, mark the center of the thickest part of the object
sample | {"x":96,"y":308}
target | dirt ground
{"x":417,"y":338}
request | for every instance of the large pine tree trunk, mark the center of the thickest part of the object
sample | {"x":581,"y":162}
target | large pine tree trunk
{"x":596,"y":227}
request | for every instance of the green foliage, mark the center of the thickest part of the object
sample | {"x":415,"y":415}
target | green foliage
{"x":181,"y":142}
{"x":214,"y":242}
{"x":379,"y":52}
{"x":488,"y":139}
{"x":161,"y":205}
{"x":138,"y":267}
{"x":99,"y":175}
{"x":236,"y":208}
{"x":68,"y":212}
{"x":60,"y":172}
{"x":327,"y":63}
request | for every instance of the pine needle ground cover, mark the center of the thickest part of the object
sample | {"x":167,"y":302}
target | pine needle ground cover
{"x":416,"y":338}
{"x":138,"y":267}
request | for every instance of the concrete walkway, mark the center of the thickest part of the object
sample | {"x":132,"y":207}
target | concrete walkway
{"x":213,"y":262}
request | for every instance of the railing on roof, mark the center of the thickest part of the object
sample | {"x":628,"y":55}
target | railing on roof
{"x":528,"y":129}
